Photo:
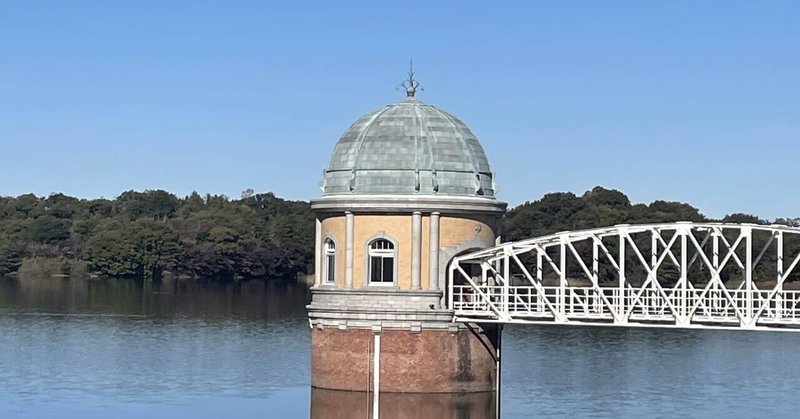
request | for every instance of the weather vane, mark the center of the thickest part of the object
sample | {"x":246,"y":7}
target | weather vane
{"x":410,"y":84}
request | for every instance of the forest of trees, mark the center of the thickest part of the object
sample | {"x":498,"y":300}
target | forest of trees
{"x":602,"y":207}
{"x":146,"y":234}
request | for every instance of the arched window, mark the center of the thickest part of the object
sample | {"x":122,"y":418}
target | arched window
{"x":329,"y":267}
{"x":381,"y":262}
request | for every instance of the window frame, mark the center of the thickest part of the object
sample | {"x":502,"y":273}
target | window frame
{"x":327,"y":252}
{"x":383,"y":254}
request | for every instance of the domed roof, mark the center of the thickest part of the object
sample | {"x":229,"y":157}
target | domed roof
{"x":409,"y":148}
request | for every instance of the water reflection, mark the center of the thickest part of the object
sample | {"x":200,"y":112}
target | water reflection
{"x":209,"y":299}
{"x":331,"y":404}
{"x":103,"y":348}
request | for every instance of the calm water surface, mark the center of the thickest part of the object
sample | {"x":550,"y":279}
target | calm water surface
{"x":98,"y":348}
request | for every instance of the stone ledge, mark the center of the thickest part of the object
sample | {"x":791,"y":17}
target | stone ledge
{"x":315,"y":312}
{"x":407,"y":203}
{"x":411,"y":326}
{"x":371,"y":292}
{"x":375,"y":300}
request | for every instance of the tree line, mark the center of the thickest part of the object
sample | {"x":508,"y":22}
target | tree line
{"x":601,"y":207}
{"x":145,"y":234}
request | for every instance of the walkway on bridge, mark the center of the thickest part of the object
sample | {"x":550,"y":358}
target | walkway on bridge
{"x":683,"y":274}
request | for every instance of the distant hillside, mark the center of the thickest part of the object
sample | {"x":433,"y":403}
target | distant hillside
{"x":145,"y":234}
{"x":602,"y":207}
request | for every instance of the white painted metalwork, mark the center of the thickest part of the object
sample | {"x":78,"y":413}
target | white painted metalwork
{"x":687,"y":275}
{"x":376,"y":374}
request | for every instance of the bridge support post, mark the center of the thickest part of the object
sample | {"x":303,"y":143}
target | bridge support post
{"x":683,"y":319}
{"x":779,"y":279}
{"x":621,"y":306}
{"x":562,"y":280}
{"x":506,"y":284}
{"x":748,"y":277}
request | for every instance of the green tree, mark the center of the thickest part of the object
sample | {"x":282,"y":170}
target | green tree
{"x":61,"y":206}
{"x":142,"y":249}
{"x":155,"y":248}
{"x":26,"y":204}
{"x":108,"y":251}
{"x":742,"y":219}
{"x":154,"y":204}
{"x":10,"y":258}
{"x":47,"y":230}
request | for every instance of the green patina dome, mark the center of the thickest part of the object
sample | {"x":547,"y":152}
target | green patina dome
{"x":409,"y":148}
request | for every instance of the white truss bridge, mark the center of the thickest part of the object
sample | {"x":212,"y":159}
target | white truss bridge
{"x":685,"y":275}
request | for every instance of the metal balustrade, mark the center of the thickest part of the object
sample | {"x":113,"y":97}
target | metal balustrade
{"x":669,"y":275}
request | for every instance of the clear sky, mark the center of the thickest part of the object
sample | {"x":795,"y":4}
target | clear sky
{"x":694,"y":101}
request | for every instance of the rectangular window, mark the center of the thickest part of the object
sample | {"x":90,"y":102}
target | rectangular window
{"x":329,"y":269}
{"x":381,"y":262}
{"x":388,"y":270}
{"x":375,"y":268}
{"x":330,"y":274}
{"x":381,"y":270}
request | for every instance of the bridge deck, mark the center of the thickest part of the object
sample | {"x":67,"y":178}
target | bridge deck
{"x":687,"y":280}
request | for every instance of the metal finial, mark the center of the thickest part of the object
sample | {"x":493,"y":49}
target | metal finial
{"x":410,"y":84}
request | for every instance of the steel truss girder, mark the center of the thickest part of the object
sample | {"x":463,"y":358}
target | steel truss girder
{"x":556,"y":279}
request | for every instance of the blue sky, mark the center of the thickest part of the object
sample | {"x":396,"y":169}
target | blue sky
{"x":681,"y":100}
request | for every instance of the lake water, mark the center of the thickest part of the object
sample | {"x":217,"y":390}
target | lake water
{"x":72,"y":348}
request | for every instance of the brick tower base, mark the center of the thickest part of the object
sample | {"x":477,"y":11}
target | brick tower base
{"x":460,"y":360}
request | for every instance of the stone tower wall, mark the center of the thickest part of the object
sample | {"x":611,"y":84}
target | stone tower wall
{"x":457,"y":233}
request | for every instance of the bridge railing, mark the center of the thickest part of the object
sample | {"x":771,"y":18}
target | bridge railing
{"x":586,"y":304}
{"x":696,"y":275}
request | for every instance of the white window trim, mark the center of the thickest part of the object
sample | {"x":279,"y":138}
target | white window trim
{"x":384,"y":253}
{"x":327,"y":279}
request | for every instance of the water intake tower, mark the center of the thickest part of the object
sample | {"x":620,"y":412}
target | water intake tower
{"x":407,"y":189}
